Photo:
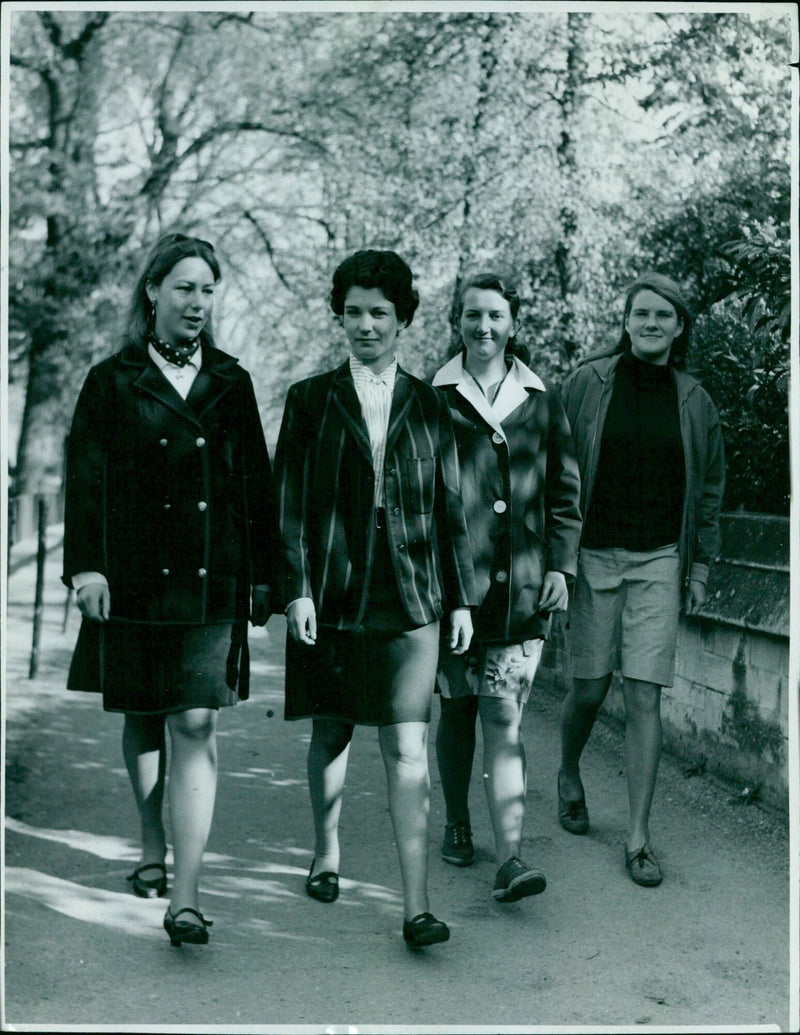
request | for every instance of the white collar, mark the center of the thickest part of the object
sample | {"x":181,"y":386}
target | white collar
{"x":364,"y":373}
{"x":512,"y":392}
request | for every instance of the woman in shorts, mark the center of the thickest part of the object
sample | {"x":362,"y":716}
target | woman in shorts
{"x":520,"y":489}
{"x":650,"y":450}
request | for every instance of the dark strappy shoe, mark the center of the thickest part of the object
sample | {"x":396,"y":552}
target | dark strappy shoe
{"x":189,"y":931}
{"x":324,"y":887}
{"x":153,"y":888}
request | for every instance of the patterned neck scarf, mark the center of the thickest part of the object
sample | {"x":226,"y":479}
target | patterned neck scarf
{"x":179,"y":355}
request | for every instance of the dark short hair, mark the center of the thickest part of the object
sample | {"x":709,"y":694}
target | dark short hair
{"x":376,"y":269}
{"x":668,"y":289}
{"x":504,"y":282}
{"x":166,"y":253}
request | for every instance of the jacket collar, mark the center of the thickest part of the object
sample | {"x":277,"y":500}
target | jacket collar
{"x":605,"y":368}
{"x":518,"y":383}
{"x":214,"y":380}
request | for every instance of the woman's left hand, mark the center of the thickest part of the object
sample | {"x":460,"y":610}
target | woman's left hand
{"x":554,"y":595}
{"x":460,"y":630}
{"x":259,"y":612}
{"x":695,"y":597}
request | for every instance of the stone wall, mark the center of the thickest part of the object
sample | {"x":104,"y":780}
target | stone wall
{"x":728,"y":707}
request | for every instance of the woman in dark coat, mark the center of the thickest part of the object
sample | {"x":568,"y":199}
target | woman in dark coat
{"x":169,"y":526}
{"x":520,"y":488}
{"x":376,"y":552}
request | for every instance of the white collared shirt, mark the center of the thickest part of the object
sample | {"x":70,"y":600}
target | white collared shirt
{"x":181,"y":378}
{"x":374,"y":392}
{"x":512,"y":392}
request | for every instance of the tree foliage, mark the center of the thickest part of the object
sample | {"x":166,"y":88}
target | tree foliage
{"x":579,"y":148}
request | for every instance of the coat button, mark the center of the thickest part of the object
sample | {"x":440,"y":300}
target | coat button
{"x":497,"y":437}
{"x":401,"y":546}
{"x":395,"y":510}
{"x":200,"y":442}
{"x":500,"y":506}
{"x":202,"y":505}
{"x":163,"y":442}
{"x":165,"y":571}
{"x":501,"y":576}
{"x":167,"y":506}
{"x":202,"y":572}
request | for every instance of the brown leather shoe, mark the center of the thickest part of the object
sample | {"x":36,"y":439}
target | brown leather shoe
{"x":572,"y":815}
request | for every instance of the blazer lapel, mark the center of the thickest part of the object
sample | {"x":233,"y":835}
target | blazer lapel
{"x":402,"y":398}
{"x":214,"y":380}
{"x":152,"y":382}
{"x":346,"y":400}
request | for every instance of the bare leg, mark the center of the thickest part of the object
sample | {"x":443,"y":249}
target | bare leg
{"x":327,"y":768}
{"x":405,"y":758}
{"x":504,"y":772}
{"x":642,"y":754}
{"x":192,"y":790}
{"x":455,"y":747}
{"x":144,"y":751}
{"x":578,"y":714}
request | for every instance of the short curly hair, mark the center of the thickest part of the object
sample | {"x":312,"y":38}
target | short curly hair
{"x":376,"y":269}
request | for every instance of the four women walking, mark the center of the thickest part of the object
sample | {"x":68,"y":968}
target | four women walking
{"x":395,"y":506}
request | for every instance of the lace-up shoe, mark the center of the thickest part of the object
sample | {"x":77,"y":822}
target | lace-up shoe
{"x":457,"y":847}
{"x":643,"y":867}
{"x":516,"y":880}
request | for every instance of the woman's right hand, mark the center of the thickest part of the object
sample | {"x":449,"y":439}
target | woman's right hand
{"x":94,"y":601}
{"x":301,"y":617}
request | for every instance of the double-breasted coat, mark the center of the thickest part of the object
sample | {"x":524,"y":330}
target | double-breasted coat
{"x":521,"y":488}
{"x":170,"y":499}
{"x":326,"y":485}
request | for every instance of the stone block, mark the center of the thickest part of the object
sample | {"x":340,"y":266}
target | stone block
{"x":770,"y":654}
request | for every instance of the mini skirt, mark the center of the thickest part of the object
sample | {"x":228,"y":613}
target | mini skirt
{"x":379,"y":674}
{"x":145,"y":669}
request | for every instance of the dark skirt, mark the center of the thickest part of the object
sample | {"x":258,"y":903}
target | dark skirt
{"x":379,"y":674}
{"x":157,"y":669}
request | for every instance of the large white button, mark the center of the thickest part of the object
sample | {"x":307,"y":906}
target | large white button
{"x":500,"y":506}
{"x":501,"y":576}
{"x":202,"y":505}
{"x":497,"y":437}
{"x":165,"y":571}
{"x":202,"y":572}
{"x":163,"y":442}
{"x":200,"y":442}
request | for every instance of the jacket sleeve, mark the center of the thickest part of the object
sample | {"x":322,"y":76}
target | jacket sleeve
{"x":455,"y":551}
{"x":562,"y":492}
{"x":291,"y":479}
{"x":707,"y":524}
{"x":84,"y":504}
{"x":262,"y":521}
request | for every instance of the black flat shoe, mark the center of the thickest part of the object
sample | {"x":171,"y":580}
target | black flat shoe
{"x":423,"y":930}
{"x":154,"y":888}
{"x":181,"y":931}
{"x":324,"y":887}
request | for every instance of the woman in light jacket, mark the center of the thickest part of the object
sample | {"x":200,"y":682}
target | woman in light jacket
{"x":169,"y":528}
{"x":520,"y":488}
{"x":649,"y":446}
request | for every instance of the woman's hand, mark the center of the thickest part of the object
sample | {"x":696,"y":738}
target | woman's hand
{"x":94,"y":601}
{"x":460,"y":630}
{"x":554,"y":595}
{"x":301,"y":617}
{"x":259,"y":611}
{"x":695,"y":596}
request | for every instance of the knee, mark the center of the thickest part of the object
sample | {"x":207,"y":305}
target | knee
{"x":331,"y":737}
{"x":641,"y":699}
{"x":500,"y":716}
{"x":196,"y":724}
{"x":405,"y":752}
{"x":588,"y":694}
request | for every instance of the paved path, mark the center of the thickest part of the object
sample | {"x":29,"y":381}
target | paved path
{"x":710,"y":946}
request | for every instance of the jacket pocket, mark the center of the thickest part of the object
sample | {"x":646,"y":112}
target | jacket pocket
{"x":420,"y":478}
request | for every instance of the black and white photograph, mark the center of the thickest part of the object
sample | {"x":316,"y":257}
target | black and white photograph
{"x":398,"y":552}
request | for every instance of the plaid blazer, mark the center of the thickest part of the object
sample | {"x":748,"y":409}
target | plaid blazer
{"x":326,"y":485}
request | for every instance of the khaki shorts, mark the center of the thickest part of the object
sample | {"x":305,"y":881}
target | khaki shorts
{"x":623,"y":616}
{"x":487,"y":671}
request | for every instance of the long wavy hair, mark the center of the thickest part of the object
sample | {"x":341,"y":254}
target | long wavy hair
{"x":505,"y":284}
{"x":166,"y":253}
